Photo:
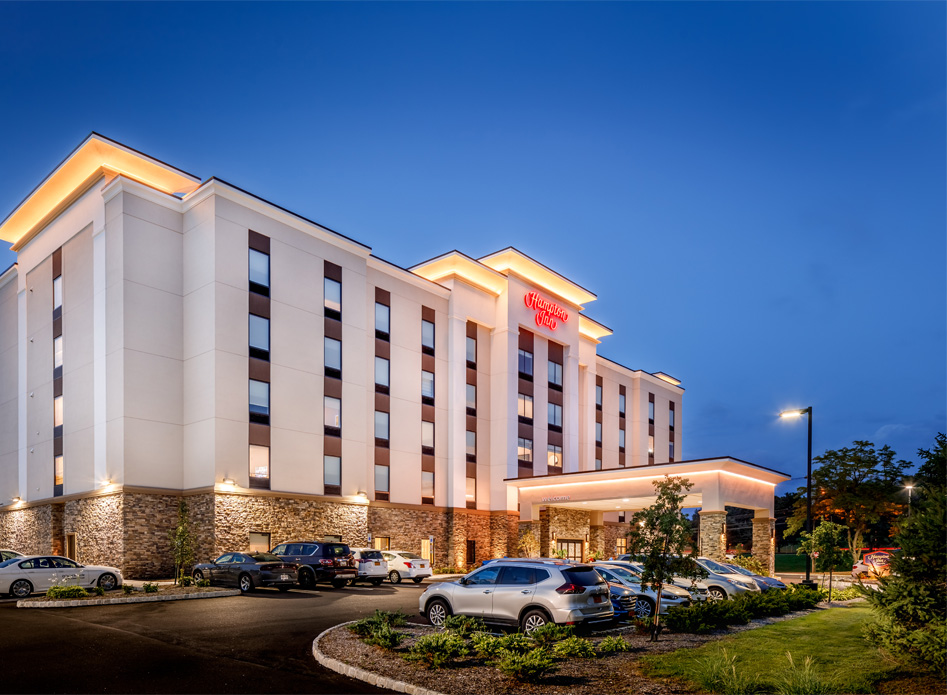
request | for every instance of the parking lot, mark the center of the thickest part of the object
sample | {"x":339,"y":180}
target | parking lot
{"x":256,"y":643}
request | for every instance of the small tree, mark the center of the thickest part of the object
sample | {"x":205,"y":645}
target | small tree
{"x":661,"y":535}
{"x":182,"y":546}
{"x":824,"y":547}
{"x":528,"y":545}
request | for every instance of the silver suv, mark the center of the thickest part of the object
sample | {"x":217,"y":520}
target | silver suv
{"x":524,"y":593}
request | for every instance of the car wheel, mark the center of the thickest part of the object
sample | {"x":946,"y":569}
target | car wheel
{"x":437,"y":612}
{"x":644,"y":607}
{"x":245,"y":583}
{"x":376,"y":582}
{"x":533,"y":620}
{"x":107,"y":581}
{"x":198,"y":576}
{"x":307,"y":579}
{"x":339,"y":583}
{"x":715,"y":593}
{"x":394,"y":577}
{"x":21,"y":588}
{"x":417,"y":580}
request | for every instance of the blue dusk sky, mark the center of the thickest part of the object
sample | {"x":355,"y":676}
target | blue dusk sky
{"x":755,"y":191}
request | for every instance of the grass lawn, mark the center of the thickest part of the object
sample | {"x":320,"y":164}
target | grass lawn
{"x":832,"y":637}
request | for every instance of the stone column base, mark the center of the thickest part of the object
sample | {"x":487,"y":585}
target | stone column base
{"x":764,"y":543}
{"x":713,"y":544}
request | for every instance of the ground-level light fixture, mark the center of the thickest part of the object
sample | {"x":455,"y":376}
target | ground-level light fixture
{"x":798,"y":412}
{"x":362,"y":493}
{"x":229,"y":481}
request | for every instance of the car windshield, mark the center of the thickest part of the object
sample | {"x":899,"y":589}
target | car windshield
{"x":714,"y":567}
{"x":583,"y":576}
{"x":624,"y":574}
{"x":265,"y":557}
{"x":740,"y":570}
{"x":411,"y":556}
{"x":372,"y":555}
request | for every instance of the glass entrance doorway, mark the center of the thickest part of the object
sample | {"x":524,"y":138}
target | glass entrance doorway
{"x":573,"y":549}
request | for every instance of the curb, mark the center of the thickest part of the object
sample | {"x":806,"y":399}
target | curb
{"x":360,"y":673}
{"x":23,"y":603}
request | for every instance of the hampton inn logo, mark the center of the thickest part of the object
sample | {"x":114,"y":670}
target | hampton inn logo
{"x":548,"y":314}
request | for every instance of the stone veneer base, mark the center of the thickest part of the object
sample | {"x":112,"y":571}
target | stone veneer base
{"x":361,"y":674}
{"x":26,"y":603}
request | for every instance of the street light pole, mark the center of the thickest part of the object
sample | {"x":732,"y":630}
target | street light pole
{"x":797,"y":413}
{"x":910,"y":490}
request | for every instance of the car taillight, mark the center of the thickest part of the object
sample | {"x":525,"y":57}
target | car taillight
{"x":569,"y":588}
{"x":408,"y":565}
{"x":325,"y":561}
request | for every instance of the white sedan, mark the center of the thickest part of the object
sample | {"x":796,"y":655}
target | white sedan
{"x":22,"y":576}
{"x":403,"y":564}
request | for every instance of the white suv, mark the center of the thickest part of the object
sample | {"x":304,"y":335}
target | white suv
{"x":371,"y":566}
{"x":524,"y":593}
{"x":401,"y":563}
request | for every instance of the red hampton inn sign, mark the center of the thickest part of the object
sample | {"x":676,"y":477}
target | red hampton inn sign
{"x":548,"y":313}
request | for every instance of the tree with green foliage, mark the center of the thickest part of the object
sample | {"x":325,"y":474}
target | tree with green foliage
{"x":855,"y":486}
{"x":661,"y":536}
{"x":824,"y":546}
{"x":911,"y":603}
{"x":932,"y":474}
{"x":182,"y":546}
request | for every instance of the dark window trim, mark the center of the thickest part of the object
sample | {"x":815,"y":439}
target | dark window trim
{"x":259,"y":418}
{"x":524,"y":420}
{"x":333,"y":373}
{"x":258,"y":483}
{"x":427,"y":450}
{"x":427,"y":400}
{"x":332,"y":431}
{"x":555,"y":387}
{"x":427,"y":500}
{"x":259,"y":289}
{"x":555,"y":428}
{"x":471,"y":365}
{"x":427,"y":351}
{"x":380,"y":388}
{"x":472,"y":412}
{"x":382,"y":443}
{"x":526,"y":377}
{"x":260,"y":354}
{"x":334,"y":490}
{"x":381,"y":335}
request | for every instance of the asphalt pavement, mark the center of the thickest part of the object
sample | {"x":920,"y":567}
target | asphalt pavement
{"x":255,"y":643}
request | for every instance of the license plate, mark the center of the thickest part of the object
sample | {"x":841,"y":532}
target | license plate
{"x":598,"y":598}
{"x":422,"y":566}
{"x":377,"y":564}
{"x":284,"y":577}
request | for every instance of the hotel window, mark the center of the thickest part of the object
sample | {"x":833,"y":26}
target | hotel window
{"x":621,"y":517}
{"x":57,"y":413}
{"x":525,"y":364}
{"x":554,"y":458}
{"x":382,"y":321}
{"x":332,"y":475}
{"x":427,"y":337}
{"x":471,"y":490}
{"x":555,"y":376}
{"x":650,"y":408}
{"x":598,"y":433}
{"x":382,"y":374}
{"x":471,"y":446}
{"x":57,"y":354}
{"x":598,"y":464}
{"x":650,"y":446}
{"x":598,"y":397}
{"x":259,"y":337}
{"x":621,"y":440}
{"x":381,"y":543}
{"x":671,"y":417}
{"x":381,"y":428}
{"x":381,"y":478}
{"x":259,"y":402}
{"x":57,"y":292}
{"x":427,"y":388}
{"x":259,"y":272}
{"x":333,"y":358}
{"x":427,"y":437}
{"x":427,"y":487}
{"x":621,"y":404}
{"x":621,"y":546}
{"x":333,"y":298}
{"x":671,"y":452}
{"x":333,"y":416}
{"x":471,"y":352}
{"x":471,"y":399}
{"x":57,"y":470}
{"x":524,"y":408}
{"x":555,"y":417}
{"x":524,"y":450}
{"x":259,"y":463}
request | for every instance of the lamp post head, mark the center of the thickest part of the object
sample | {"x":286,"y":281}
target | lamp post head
{"x":797,"y":412}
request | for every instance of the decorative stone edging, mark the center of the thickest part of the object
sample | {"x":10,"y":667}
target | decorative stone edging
{"x":360,"y":673}
{"x":26,"y":603}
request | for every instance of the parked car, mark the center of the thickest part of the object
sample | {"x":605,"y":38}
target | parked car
{"x":6,"y":554}
{"x":319,"y":562}
{"x":404,"y":564}
{"x":873,"y":565}
{"x":717,"y":571}
{"x":371,"y":565}
{"x":711,"y":588}
{"x":765,"y":583}
{"x":525,"y":593}
{"x":247,"y":571}
{"x":647,"y":597}
{"x":23,"y":575}
{"x":624,"y":600}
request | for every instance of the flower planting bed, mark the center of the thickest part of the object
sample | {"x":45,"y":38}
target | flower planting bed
{"x":170,"y":593}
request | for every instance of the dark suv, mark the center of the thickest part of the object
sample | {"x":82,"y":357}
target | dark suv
{"x":319,"y":562}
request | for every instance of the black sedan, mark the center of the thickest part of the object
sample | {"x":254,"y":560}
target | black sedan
{"x":247,"y":571}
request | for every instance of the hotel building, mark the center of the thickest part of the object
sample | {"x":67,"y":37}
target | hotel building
{"x":165,"y":337}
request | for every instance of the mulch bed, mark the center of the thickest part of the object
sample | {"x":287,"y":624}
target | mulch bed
{"x":615,"y":673}
{"x":162,"y":591}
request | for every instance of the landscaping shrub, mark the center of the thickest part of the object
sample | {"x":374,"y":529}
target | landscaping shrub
{"x":464,"y":625}
{"x":66,"y":592}
{"x":384,"y":636}
{"x":762,"y":605}
{"x":203,"y":583}
{"x":438,"y":650}
{"x":719,"y":673}
{"x":487,"y":646}
{"x":150,"y":587}
{"x":799,"y":598}
{"x":128,"y":589}
{"x":574,"y":647}
{"x":98,"y":591}
{"x":185,"y":580}
{"x":371,"y":623}
{"x":612,"y":645}
{"x":530,"y":667}
{"x":642,"y":626}
{"x":704,"y":617}
{"x":801,"y":679}
{"x":549,"y":634}
{"x":516,"y":642}
{"x":840,"y":594}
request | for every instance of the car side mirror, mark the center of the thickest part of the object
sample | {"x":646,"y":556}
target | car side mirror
{"x":463,"y":581}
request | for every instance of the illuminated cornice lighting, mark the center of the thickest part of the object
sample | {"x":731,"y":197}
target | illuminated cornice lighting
{"x":668,"y":378}
{"x":457,"y":265}
{"x":95,"y":158}
{"x":510,"y":259}
{"x":643,"y":477}
{"x":593,"y":330}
